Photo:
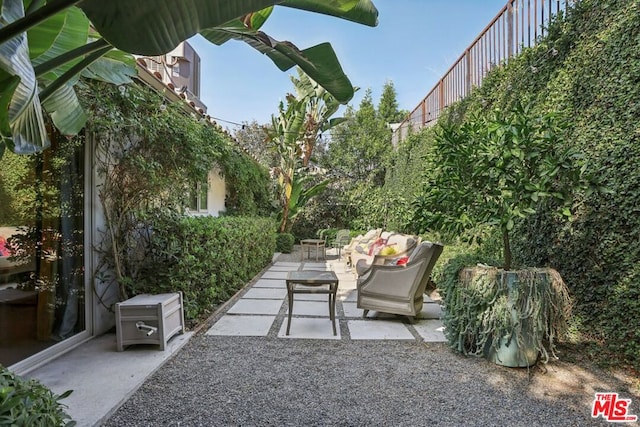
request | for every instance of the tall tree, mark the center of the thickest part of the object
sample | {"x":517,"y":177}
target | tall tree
{"x":252,"y":137}
{"x":388,"y":106}
{"x":360,"y":146}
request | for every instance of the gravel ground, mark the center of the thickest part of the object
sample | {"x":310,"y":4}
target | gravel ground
{"x":257,"y":381}
{"x":250,"y":381}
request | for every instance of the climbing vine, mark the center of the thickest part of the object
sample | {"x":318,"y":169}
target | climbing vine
{"x":149,"y":156}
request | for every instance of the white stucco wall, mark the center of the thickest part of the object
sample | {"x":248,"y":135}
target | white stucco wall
{"x":217,"y":193}
{"x":103,"y":297}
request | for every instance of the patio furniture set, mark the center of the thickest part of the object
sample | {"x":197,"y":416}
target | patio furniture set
{"x":393,"y":272}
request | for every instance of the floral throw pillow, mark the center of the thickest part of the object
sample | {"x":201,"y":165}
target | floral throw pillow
{"x":376,"y":246}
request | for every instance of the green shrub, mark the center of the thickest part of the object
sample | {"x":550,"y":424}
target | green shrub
{"x":28,"y":403}
{"x":208,"y":259}
{"x":285,"y":242}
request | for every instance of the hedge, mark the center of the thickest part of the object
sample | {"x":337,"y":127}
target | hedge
{"x":208,"y":259}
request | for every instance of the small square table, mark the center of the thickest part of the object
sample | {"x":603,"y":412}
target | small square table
{"x":314,"y":282}
{"x":309,"y":243}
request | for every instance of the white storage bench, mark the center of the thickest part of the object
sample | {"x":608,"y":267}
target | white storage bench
{"x":149,"y":319}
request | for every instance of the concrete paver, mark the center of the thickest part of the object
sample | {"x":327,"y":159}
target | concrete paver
{"x":310,"y":317}
{"x":309,"y":328}
{"x":378,"y":330}
{"x":255,"y":306}
{"x":242,"y":325}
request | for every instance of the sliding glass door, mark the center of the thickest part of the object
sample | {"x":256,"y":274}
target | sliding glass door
{"x":42,"y":291}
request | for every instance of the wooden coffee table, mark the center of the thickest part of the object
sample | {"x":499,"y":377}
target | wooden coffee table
{"x":314,"y":282}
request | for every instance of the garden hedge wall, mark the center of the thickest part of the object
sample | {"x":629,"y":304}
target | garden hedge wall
{"x":588,"y":69}
{"x":209,"y":259}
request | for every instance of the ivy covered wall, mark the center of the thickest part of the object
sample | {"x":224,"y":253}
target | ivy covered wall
{"x":587,"y":69}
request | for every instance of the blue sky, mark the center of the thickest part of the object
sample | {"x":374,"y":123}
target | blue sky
{"x":415,"y":42}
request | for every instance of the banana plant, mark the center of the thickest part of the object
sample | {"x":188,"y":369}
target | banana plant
{"x":283,"y":138}
{"x":292,"y":136}
{"x":302,"y":191}
{"x":46,"y":44}
{"x":320,"y":106}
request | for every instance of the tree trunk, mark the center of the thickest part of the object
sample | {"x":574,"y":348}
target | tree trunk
{"x":285,"y":219}
{"x":507,"y":250}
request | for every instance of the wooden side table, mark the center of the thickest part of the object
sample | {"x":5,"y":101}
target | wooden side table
{"x":309,"y":243}
{"x":314,"y":282}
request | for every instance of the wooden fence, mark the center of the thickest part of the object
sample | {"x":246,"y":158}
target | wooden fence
{"x":519,"y":24}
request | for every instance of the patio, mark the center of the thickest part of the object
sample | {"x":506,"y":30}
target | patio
{"x":240,"y":369}
{"x":261,"y":310}
{"x":103,"y":379}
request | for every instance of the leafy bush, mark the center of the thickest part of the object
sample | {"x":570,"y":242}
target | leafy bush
{"x":206,"y":258}
{"x":495,"y":170}
{"x":285,"y":242}
{"x":249,"y":191}
{"x":28,"y":403}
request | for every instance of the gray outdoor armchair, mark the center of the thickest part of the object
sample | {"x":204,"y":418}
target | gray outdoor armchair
{"x":399,"y":289}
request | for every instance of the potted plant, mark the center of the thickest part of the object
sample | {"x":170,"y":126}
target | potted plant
{"x":495,"y":170}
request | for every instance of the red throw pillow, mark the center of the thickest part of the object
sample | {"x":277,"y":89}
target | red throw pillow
{"x":402,"y":261}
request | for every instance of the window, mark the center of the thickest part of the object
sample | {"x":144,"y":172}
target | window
{"x":176,"y":69}
{"x":198,"y":197}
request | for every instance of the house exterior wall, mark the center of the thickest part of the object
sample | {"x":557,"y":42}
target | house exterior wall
{"x":216,"y":195}
{"x":105,"y":296}
{"x":100,"y":297}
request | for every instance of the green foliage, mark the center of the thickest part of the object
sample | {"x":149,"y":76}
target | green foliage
{"x":51,"y":44}
{"x":412,"y":163}
{"x":304,"y":188}
{"x":28,"y":403}
{"x":595,"y":83}
{"x":360,"y":146}
{"x":252,"y":137}
{"x":206,"y":258}
{"x":292,"y":138}
{"x":495,"y":169}
{"x":248,"y":185}
{"x":317,"y":214}
{"x":359,"y":157}
{"x":388,"y":106}
{"x":149,"y":156}
{"x":586,"y":70}
{"x":285,"y":242}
